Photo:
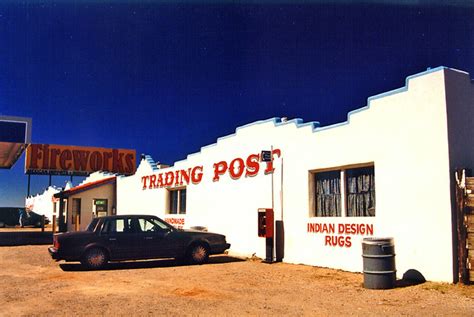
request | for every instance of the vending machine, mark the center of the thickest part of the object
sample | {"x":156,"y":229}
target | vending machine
{"x":266,"y":230}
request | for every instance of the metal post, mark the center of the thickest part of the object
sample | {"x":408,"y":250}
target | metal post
{"x":54,"y":224}
{"x":29,"y":182}
{"x":273,"y":172}
{"x":50,"y":178}
{"x":61,"y":220}
{"x":76,"y":223}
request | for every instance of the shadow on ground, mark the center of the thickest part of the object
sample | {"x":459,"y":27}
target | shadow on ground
{"x":411,"y":278}
{"x":17,"y":238}
{"x":148,"y":264}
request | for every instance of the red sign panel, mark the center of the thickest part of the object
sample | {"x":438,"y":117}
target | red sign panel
{"x":74,"y":160}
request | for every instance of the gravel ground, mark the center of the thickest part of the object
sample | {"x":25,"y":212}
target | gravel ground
{"x":35,"y":285}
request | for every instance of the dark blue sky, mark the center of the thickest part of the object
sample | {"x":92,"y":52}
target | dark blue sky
{"x":166,"y":79}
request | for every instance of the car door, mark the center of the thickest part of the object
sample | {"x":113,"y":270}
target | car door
{"x":159,"y":241}
{"x":123,"y":243}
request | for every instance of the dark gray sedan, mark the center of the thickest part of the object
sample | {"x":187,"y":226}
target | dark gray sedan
{"x":134,"y":237}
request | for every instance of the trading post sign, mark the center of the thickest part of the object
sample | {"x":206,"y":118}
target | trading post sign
{"x":77,"y":160}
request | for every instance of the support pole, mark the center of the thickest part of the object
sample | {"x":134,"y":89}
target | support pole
{"x":29,"y":183}
{"x":54,"y":224}
{"x":50,"y":178}
{"x":61,"y":220}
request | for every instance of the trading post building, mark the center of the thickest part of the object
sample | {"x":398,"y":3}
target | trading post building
{"x":386,"y":172}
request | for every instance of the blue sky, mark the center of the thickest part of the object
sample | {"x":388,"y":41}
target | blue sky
{"x":167,"y":78}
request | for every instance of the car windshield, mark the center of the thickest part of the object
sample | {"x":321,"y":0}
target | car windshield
{"x":160,"y":224}
{"x":92,"y":224}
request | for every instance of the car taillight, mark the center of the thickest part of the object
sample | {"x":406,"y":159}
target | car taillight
{"x":55,"y":242}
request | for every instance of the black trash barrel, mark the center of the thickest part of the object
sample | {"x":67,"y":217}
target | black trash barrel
{"x":379,"y":263}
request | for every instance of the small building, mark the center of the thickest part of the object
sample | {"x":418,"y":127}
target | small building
{"x":94,"y":197}
{"x":386,"y":172}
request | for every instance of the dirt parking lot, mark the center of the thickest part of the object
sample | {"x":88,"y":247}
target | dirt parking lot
{"x":34,"y":285}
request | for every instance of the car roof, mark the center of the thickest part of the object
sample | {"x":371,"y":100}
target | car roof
{"x":126,"y":216}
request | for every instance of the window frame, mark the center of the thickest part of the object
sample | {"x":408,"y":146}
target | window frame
{"x":178,"y":191}
{"x":343,"y":189}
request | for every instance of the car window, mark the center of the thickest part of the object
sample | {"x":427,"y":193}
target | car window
{"x":146,"y":225}
{"x":158,"y":225}
{"x":92,"y":224}
{"x":135,"y":225}
{"x":116,"y":225}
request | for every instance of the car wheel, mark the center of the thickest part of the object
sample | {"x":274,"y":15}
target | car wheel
{"x":2,"y":224}
{"x":94,"y":259}
{"x":198,"y":254}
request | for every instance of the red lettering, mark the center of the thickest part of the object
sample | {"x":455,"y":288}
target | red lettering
{"x":64,"y":158}
{"x":234,"y":172}
{"x":370,"y":229}
{"x":80,"y":159}
{"x":46,"y":156}
{"x":144,"y":179}
{"x":130,"y":162}
{"x":270,"y":169}
{"x":340,"y":228}
{"x":185,"y":176}
{"x":35,"y":155}
{"x":176,"y":179}
{"x":196,"y":175}
{"x":219,"y":169}
{"x":160,"y":180}
{"x":152,"y":181}
{"x":338,"y":241}
{"x":96,"y":161}
{"x":348,"y":242}
{"x":169,"y":178}
{"x":107,"y":157}
{"x":117,"y":165}
{"x":54,"y":157}
{"x":252,"y":165}
{"x":356,"y":228}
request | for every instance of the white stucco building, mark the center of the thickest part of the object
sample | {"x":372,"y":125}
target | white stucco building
{"x":42,"y":203}
{"x":386,"y":172}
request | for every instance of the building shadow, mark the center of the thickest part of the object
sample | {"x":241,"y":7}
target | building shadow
{"x":148,"y":264}
{"x":18,"y":238}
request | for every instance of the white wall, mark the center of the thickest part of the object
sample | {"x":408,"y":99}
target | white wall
{"x":106,"y":191}
{"x":42,"y":203}
{"x":403,"y":132}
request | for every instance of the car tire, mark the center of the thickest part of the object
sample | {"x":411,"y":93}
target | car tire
{"x":94,"y":259}
{"x":2,"y":224}
{"x":198,"y":254}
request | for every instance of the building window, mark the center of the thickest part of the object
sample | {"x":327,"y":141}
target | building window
{"x":328,"y":194}
{"x":76,"y":210}
{"x":177,"y":201}
{"x":360,"y":184}
{"x":343,"y":192}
